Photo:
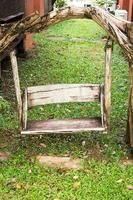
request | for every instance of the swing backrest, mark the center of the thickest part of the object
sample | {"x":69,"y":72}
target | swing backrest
{"x":63,"y":93}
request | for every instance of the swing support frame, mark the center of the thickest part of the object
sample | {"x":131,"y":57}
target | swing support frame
{"x":64,"y":93}
{"x":119,"y":30}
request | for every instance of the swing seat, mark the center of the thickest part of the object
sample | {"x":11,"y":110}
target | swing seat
{"x":62,"y":93}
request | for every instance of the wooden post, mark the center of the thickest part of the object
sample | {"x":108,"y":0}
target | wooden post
{"x":0,"y":80}
{"x":0,"y":71}
{"x":130,"y":109}
{"x":17,"y":84}
{"x":108,"y":82}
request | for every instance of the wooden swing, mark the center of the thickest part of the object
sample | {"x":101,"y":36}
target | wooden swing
{"x":64,"y":93}
{"x":120,"y":31}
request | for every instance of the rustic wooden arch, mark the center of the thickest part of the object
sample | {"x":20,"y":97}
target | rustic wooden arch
{"x":119,"y":30}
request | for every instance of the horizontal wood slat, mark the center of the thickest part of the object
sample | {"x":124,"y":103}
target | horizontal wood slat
{"x":63,"y":93}
{"x":63,"y":126}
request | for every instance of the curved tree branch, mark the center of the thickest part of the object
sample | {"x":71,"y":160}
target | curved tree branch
{"x":121,"y":31}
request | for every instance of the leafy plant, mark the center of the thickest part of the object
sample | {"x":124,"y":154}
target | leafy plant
{"x":4,"y":105}
{"x":60,"y":3}
{"x":107,"y":2}
{"x":101,"y":2}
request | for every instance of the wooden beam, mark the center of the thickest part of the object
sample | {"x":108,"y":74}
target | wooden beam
{"x":107,"y":17}
{"x":0,"y":72}
{"x":63,"y":126}
{"x":103,"y":116}
{"x":25,"y":110}
{"x":108,"y":82}
{"x":17,"y":84}
{"x":11,"y":47}
{"x":63,"y":93}
{"x":116,"y":28}
{"x":130,"y":109}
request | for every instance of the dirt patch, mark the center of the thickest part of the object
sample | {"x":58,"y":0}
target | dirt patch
{"x":4,"y":156}
{"x":96,"y":152}
{"x":60,"y":162}
{"x":5,"y":137}
{"x":127,"y":162}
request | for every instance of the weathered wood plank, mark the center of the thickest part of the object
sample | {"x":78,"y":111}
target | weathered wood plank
{"x":11,"y":47}
{"x":0,"y":71}
{"x":63,"y":126}
{"x":116,"y":28}
{"x":62,"y":93}
{"x":130,"y":109}
{"x":17,"y":84}
{"x":108,"y":82}
{"x":102,"y":106}
{"x":25,"y":110}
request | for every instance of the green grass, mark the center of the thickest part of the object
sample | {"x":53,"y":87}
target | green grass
{"x":67,"y":62}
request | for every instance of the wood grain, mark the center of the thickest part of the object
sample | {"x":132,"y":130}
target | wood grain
{"x":130,"y":109}
{"x":25,"y":110}
{"x":62,"y":93}
{"x":64,"y":126}
{"x":103,"y":114}
{"x":120,"y":31}
{"x":108,"y":82}
{"x":17,"y":84}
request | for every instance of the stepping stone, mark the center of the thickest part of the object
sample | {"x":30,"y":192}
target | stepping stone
{"x":4,"y":156}
{"x":60,"y":162}
{"x":56,"y":38}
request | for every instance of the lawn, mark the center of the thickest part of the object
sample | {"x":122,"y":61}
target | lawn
{"x":103,"y":176}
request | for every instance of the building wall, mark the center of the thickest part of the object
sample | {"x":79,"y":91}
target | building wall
{"x":12,"y":7}
{"x":127,"y":5}
{"x":43,"y":7}
{"x":130,"y":13}
{"x":25,"y":8}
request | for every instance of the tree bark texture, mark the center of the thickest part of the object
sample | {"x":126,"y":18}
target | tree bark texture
{"x":120,"y":31}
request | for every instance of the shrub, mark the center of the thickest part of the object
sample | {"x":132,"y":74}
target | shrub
{"x":60,"y":3}
{"x":108,"y":2}
{"x":4,"y":105}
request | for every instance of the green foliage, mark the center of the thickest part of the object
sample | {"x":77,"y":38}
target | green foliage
{"x":101,"y":2}
{"x":4,"y":105}
{"x":60,"y":3}
{"x":107,"y":2}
